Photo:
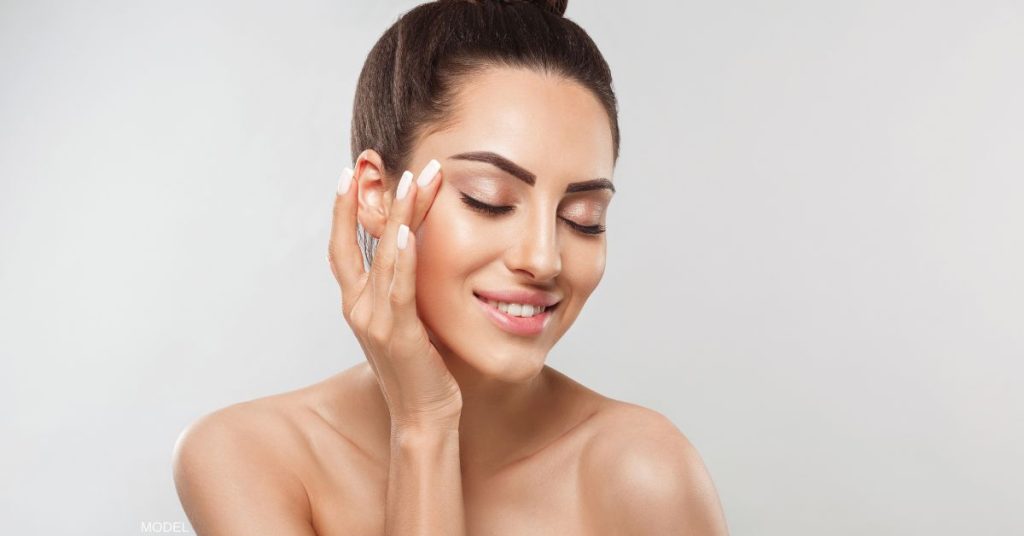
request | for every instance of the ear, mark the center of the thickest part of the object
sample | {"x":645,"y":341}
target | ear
{"x":374,"y":192}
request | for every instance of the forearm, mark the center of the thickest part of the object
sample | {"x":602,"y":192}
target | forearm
{"x":424,"y":494}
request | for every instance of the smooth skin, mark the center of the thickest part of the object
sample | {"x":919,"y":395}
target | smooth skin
{"x":451,"y":425}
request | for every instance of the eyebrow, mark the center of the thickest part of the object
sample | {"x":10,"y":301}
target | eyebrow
{"x":526,"y":176}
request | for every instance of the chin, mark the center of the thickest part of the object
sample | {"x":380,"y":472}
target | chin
{"x":510,"y":363}
{"x":512,"y":368}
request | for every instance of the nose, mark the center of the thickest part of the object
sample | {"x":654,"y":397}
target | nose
{"x":535,"y":251}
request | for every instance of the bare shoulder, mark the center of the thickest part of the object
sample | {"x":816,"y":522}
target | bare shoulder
{"x":234,"y":470}
{"x":642,"y":475}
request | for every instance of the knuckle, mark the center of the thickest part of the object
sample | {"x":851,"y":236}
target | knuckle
{"x":347,"y":312}
{"x":399,"y":295}
{"x":379,"y":332}
{"x":352,"y":312}
{"x":378,"y":336}
{"x":358,"y":316}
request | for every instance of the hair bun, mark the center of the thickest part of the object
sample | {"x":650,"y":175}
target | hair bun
{"x":554,"y":6}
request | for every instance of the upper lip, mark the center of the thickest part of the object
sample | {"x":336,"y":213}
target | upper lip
{"x":531,"y":297}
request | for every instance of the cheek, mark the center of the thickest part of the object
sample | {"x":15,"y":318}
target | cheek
{"x":584,"y":266}
{"x":450,"y":247}
{"x":434,"y":276}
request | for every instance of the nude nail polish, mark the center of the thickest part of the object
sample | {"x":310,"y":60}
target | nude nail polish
{"x":345,"y":181}
{"x":403,"y":236}
{"x":428,"y":173}
{"x":403,"y":185}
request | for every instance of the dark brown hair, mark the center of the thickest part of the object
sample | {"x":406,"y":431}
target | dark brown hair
{"x":410,"y":78}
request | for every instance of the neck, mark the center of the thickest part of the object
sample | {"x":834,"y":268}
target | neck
{"x":501,"y":421}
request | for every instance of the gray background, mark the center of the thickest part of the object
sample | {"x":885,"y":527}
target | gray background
{"x":815,"y":255}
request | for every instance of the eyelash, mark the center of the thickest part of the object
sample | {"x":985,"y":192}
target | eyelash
{"x":492,"y":210}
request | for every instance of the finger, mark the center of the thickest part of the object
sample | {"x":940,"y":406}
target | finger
{"x":343,"y":251}
{"x":383,"y":269}
{"x":403,"y":285}
{"x":427,"y":184}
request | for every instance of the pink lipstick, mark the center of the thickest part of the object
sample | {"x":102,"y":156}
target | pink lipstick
{"x":518,"y":325}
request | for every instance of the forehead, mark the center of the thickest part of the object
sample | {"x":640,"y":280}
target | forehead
{"x":548,"y":124}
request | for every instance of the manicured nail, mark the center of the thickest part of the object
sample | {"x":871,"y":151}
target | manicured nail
{"x":403,"y":236}
{"x":403,"y":184}
{"x":345,"y":181}
{"x":428,"y":173}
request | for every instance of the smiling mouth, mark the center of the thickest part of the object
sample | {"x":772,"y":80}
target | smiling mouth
{"x":547,"y":309}
{"x":524,"y":326}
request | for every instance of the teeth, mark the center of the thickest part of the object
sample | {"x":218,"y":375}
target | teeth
{"x":517,"y":309}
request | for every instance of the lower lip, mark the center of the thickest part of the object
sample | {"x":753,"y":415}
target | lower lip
{"x":516,"y":325}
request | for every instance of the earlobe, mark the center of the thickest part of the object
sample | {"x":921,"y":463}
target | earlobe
{"x":374,"y":194}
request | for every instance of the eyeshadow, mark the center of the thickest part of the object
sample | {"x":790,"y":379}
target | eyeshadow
{"x":481,"y":187}
{"x":487,"y":184}
{"x":584,"y":211}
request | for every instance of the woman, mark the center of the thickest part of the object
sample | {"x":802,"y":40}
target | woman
{"x":454,"y":424}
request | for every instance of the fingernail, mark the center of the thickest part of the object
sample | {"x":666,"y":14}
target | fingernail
{"x":428,"y":173}
{"x":345,"y":181}
{"x":403,"y":236}
{"x":403,"y":184}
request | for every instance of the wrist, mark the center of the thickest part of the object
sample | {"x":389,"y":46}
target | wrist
{"x":423,"y":442}
{"x":441,"y":417}
{"x":423,"y":426}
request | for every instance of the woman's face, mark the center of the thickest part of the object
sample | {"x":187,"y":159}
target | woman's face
{"x":548,"y":127}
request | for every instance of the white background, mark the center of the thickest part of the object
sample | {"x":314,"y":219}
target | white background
{"x":816,"y":255}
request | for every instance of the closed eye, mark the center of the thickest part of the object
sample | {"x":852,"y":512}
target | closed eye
{"x":480,"y":206}
{"x":492,"y":210}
